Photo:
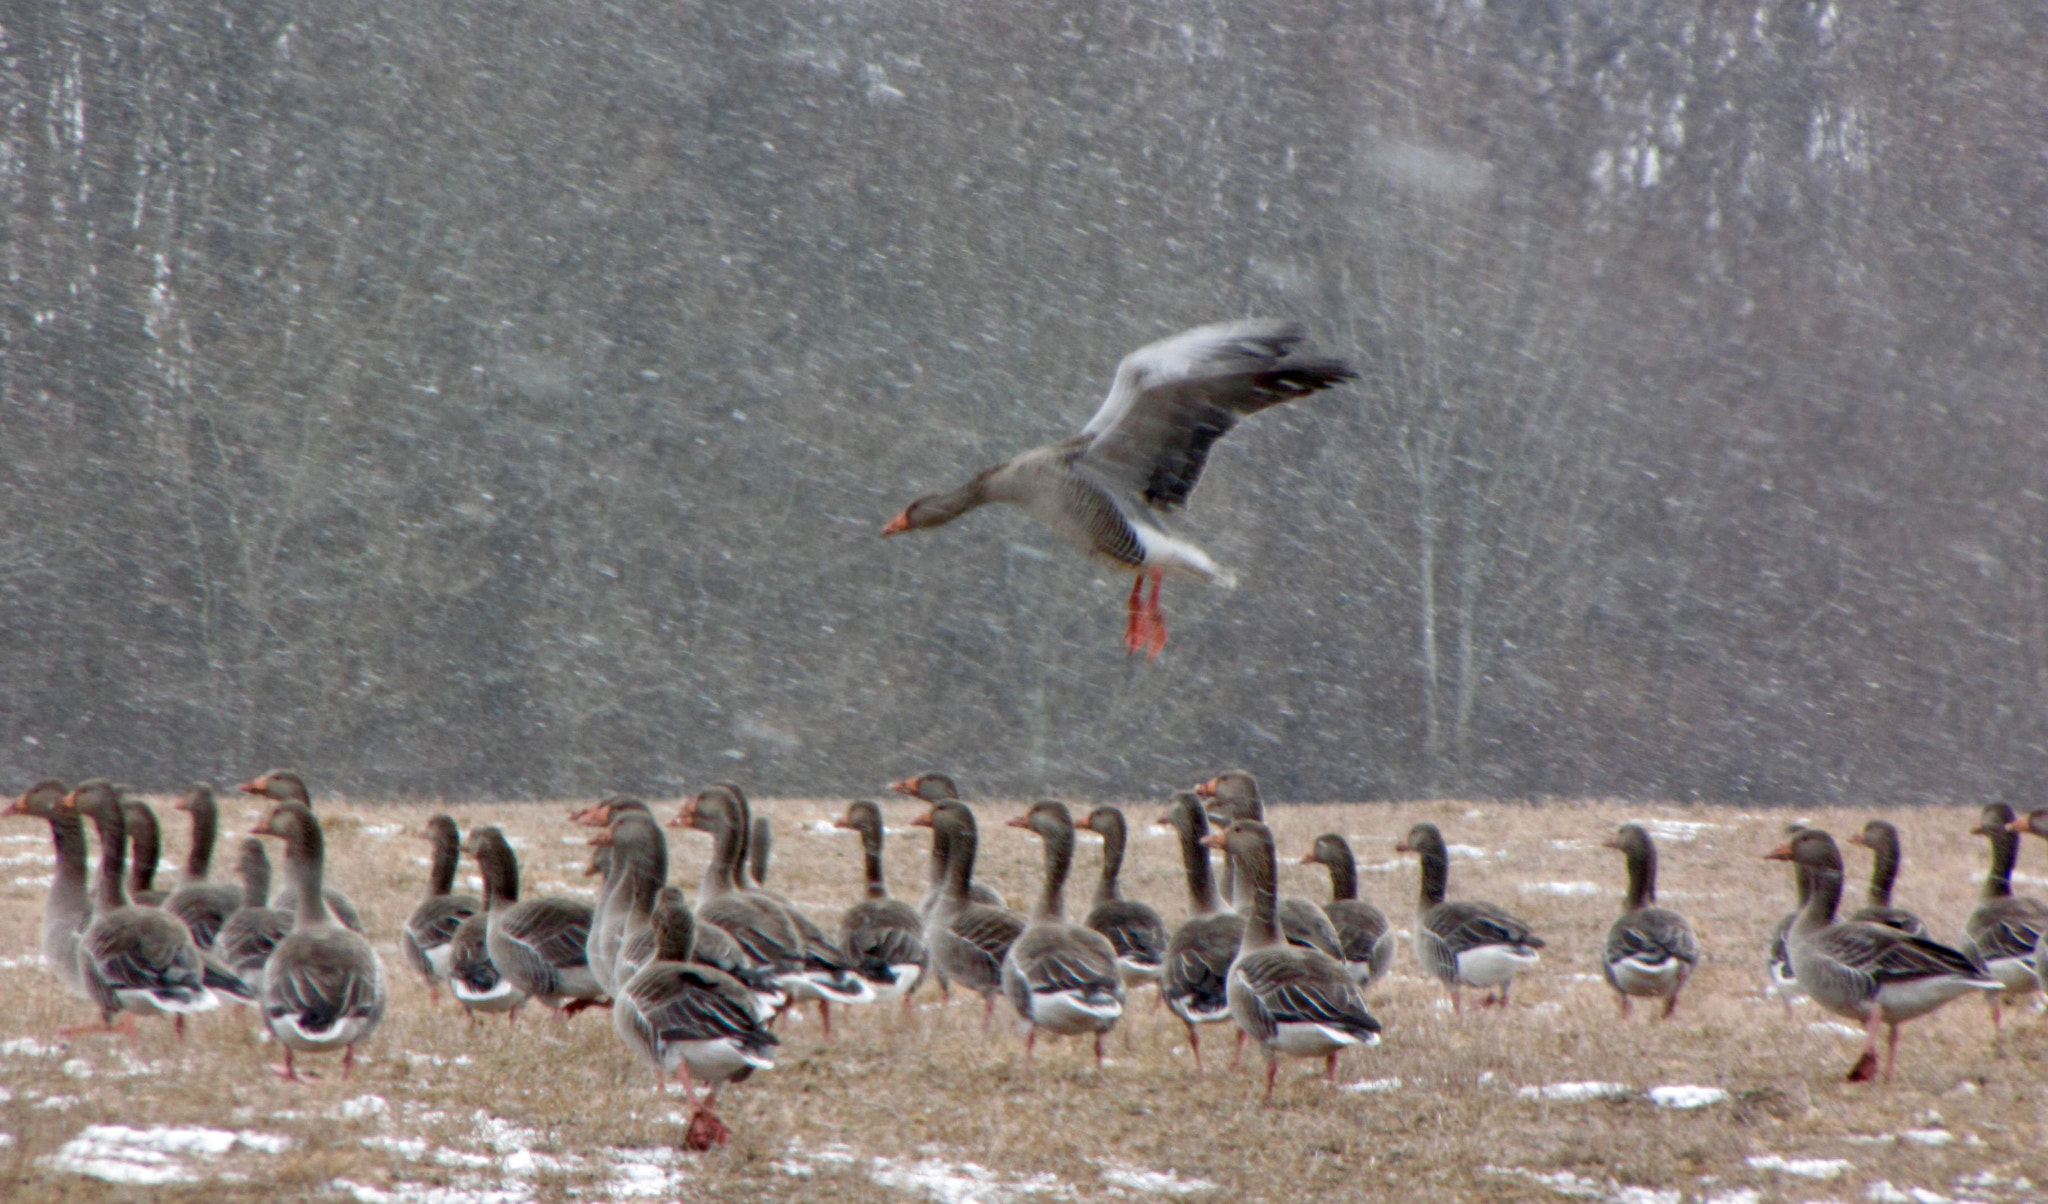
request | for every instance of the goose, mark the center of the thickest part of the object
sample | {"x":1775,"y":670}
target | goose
{"x":1133,"y":928}
{"x":1062,"y":978}
{"x":1650,"y":950}
{"x":145,"y":849}
{"x":203,"y":906}
{"x":883,"y":936}
{"x":803,"y":961}
{"x":2004,"y":931}
{"x":1882,"y":839}
{"x":431,"y":927}
{"x":2036,"y":821}
{"x":1234,"y":795}
{"x":67,"y":910}
{"x":608,"y":917}
{"x":935,"y":788}
{"x":323,"y":986}
{"x":1869,"y":973}
{"x":1291,"y":1000}
{"x":683,"y":1016}
{"x":968,"y":940}
{"x":1468,"y":943}
{"x":284,"y":786}
{"x":1364,"y":938}
{"x":538,"y":945}
{"x":826,"y":963}
{"x":246,"y":938}
{"x":1195,"y":984}
{"x":136,"y":961}
{"x":1104,"y":491}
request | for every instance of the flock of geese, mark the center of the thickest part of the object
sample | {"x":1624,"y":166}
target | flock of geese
{"x":695,"y":986}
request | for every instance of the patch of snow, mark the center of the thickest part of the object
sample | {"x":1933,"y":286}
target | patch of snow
{"x":1679,"y":830}
{"x":404,"y":1147}
{"x":364,"y":1107}
{"x":429,"y":1193}
{"x":23,"y":858}
{"x":1577,"y":1092}
{"x":1154,"y":1183}
{"x":382,"y":829}
{"x":20,"y":963}
{"x":156,"y":1155}
{"x":1565,"y":1183}
{"x":59,"y":1103}
{"x":1471,"y":852}
{"x":420,"y":1059}
{"x":1739,"y":1195}
{"x":1570,"y":845}
{"x":1927,"y":1136}
{"x":1375,"y":1086}
{"x":6,"y":1141}
{"x":1804,"y":1168}
{"x":958,"y":1182}
{"x":1836,"y":1027}
{"x":1686,"y":1097}
{"x":39,"y":881}
{"x":1568,"y":889}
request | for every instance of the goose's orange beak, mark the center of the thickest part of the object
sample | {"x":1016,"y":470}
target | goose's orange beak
{"x":1782,"y":853}
{"x":925,"y":820}
{"x":2022,"y":824}
{"x":683,"y":817}
{"x":1856,"y":838}
{"x":898,"y":525}
{"x":254,"y":785}
{"x":1401,"y":846}
{"x":1019,"y":821}
{"x":1206,"y":789}
{"x":1214,"y":840}
{"x":844,"y":821}
{"x":905,"y":786}
{"x":601,"y":839}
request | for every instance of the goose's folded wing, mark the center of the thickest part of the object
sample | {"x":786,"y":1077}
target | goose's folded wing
{"x":556,"y":930}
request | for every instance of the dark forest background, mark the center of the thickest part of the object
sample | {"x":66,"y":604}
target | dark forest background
{"x":502,"y":399}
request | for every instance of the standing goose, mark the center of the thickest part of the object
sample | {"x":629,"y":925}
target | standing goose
{"x":1133,"y":928}
{"x":1882,"y":839}
{"x":1650,"y":951}
{"x":826,"y":962}
{"x":883,"y":936}
{"x":2005,"y":930}
{"x":938,"y":788}
{"x":1104,"y":491}
{"x":1364,"y":938}
{"x":430,"y":930}
{"x":968,"y":940}
{"x":538,"y":945}
{"x":1234,"y":795}
{"x":135,"y":960}
{"x":284,"y":786}
{"x":1877,"y":976}
{"x":203,"y":906}
{"x":1196,"y":982}
{"x":686,"y":1017}
{"x":1290,"y":1000}
{"x":608,"y":917}
{"x":323,"y":985}
{"x":1062,"y":978}
{"x":1468,"y":943}
{"x":145,"y":849}
{"x":247,"y":937}
{"x":68,"y":908}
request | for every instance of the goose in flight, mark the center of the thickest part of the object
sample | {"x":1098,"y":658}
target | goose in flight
{"x":1104,"y":490}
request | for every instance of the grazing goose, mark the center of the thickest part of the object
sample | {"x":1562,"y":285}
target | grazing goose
{"x":67,"y":910}
{"x":1650,"y":951}
{"x":284,"y":786}
{"x":1468,"y":943}
{"x":249,"y":934}
{"x":968,"y":940}
{"x":203,"y":906}
{"x":2036,"y":821}
{"x":1234,"y":795}
{"x":538,"y":945}
{"x":1364,"y":938}
{"x":1133,"y":928}
{"x":826,"y":963}
{"x":608,"y":917}
{"x":1869,"y":973}
{"x":145,"y":849}
{"x":1062,"y":978}
{"x":883,"y":936}
{"x":697,"y":1021}
{"x":1882,"y":839}
{"x":1196,"y":982}
{"x":136,"y":961}
{"x":937,"y":788}
{"x":323,"y":986}
{"x":1290,"y":1000}
{"x":430,"y":929}
{"x":1105,"y":490}
{"x":2006,"y":929}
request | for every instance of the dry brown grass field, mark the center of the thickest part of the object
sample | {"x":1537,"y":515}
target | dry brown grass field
{"x":922,"y":1106}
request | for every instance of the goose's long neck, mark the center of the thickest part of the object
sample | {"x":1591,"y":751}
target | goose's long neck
{"x":255,"y":869}
{"x":871,"y":860}
{"x":147,"y":845}
{"x":1436,"y":873}
{"x":68,"y":894}
{"x":113,"y":885}
{"x":728,"y":847}
{"x":1884,"y":870}
{"x":205,"y":830}
{"x":1343,"y":874}
{"x":447,"y":851}
{"x":500,"y":869}
{"x":960,"y":847}
{"x":941,"y":860}
{"x":1261,"y":928}
{"x":986,"y":487}
{"x":1194,"y":855}
{"x":1642,"y":877}
{"x":2005,"y":853}
{"x":304,"y":857}
{"x":1820,"y":907}
{"x":1059,"y":859}
{"x":1112,"y":863}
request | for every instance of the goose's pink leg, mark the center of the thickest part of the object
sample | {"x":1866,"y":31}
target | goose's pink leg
{"x":1134,"y":616}
{"x":1155,"y":618}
